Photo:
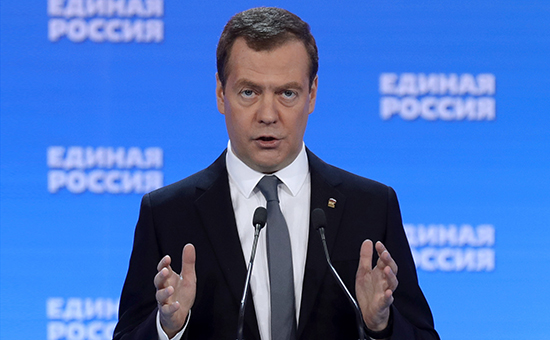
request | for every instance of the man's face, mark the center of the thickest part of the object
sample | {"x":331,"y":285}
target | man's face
{"x":266,"y":103}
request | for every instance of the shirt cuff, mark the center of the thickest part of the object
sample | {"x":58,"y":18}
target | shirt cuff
{"x":162,"y":334}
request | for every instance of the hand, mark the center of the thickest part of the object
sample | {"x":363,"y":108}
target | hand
{"x":375,"y":286}
{"x":176,"y":292}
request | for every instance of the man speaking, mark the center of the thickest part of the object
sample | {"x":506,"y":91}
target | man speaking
{"x":188,"y":265}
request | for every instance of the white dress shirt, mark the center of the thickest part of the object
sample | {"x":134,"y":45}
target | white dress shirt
{"x":294,"y":196}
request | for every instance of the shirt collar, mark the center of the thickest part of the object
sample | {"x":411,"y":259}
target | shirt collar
{"x":293,"y":176}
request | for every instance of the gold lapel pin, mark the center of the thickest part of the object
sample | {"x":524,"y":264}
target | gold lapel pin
{"x":331,"y":203}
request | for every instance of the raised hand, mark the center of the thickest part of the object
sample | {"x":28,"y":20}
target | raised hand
{"x":176,"y":292}
{"x":375,"y":286}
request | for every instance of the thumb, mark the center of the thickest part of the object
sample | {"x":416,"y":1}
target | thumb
{"x":188,"y":257}
{"x":365,"y":259}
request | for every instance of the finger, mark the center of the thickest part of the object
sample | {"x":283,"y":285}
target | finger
{"x":391,"y":279}
{"x":188,"y":258}
{"x":169,"y":308}
{"x":388,"y":298}
{"x":164,"y":262}
{"x":386,"y":260}
{"x":163,"y":295}
{"x":162,"y":278}
{"x":365,"y":258}
{"x":385,"y":256}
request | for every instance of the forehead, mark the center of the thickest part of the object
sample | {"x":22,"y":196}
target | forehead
{"x":287,"y":60}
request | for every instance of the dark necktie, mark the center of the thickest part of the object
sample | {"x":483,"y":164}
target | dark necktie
{"x":279,"y":258}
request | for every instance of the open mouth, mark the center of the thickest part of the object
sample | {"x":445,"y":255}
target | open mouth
{"x":268,"y":142}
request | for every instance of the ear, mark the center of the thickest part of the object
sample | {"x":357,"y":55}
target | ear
{"x":313,"y":94}
{"x":220,"y":98}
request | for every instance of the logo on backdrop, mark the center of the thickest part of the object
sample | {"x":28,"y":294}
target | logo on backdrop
{"x":102,"y":170}
{"x":81,"y":318}
{"x":452,"y":248}
{"x":449,"y":97}
{"x":114,"y":21}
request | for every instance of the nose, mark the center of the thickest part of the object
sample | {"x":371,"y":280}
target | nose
{"x":268,"y":112}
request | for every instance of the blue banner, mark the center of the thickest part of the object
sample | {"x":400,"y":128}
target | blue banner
{"x":447,"y":102}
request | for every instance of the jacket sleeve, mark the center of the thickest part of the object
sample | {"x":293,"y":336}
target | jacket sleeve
{"x":412,"y":318}
{"x":138,"y":308}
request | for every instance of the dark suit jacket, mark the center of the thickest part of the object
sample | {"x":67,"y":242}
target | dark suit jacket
{"x":198,"y":210}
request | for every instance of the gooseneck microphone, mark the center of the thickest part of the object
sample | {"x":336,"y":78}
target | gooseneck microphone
{"x":259,"y":219}
{"x":319,"y":222}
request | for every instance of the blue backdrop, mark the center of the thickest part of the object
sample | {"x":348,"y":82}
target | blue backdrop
{"x":446,"y":101}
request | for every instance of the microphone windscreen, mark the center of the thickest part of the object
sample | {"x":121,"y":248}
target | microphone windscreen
{"x":318,"y":218}
{"x":260,"y":217}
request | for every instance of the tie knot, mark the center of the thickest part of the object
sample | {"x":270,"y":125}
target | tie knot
{"x":268,"y":187}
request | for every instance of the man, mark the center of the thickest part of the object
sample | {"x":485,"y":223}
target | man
{"x":266,"y":89}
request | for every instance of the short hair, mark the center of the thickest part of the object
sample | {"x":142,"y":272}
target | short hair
{"x":265,"y":28}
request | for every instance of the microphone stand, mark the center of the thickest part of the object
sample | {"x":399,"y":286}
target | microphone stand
{"x":319,"y":220}
{"x":259,"y":222}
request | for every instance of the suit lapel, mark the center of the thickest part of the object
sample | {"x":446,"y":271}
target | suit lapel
{"x":323,"y":188}
{"x":216,"y":211}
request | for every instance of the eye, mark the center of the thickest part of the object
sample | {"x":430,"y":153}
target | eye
{"x":288,"y":94}
{"x":247,"y":93}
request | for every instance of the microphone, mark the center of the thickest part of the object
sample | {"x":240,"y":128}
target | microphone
{"x":319,"y":222}
{"x":259,"y":219}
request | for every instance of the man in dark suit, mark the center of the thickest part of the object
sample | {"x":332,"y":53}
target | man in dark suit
{"x":266,"y":89}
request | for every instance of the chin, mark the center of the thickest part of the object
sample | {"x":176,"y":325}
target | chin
{"x":268,"y":167}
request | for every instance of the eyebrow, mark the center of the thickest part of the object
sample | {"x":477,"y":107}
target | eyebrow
{"x":289,"y":85}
